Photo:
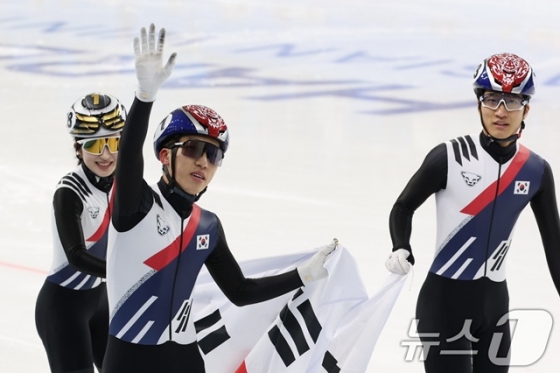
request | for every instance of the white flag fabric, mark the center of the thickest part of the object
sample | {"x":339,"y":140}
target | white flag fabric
{"x":330,"y":325}
{"x":357,"y":334}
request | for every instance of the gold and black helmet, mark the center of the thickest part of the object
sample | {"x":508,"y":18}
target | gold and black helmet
{"x":96,"y":114}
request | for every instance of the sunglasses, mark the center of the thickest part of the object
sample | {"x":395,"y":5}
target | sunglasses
{"x":196,"y":148}
{"x":96,"y":146}
{"x":512,"y":102}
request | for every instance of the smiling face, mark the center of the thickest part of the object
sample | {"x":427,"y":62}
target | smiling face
{"x":102,"y":165}
{"x":501,"y":123}
{"x":192,"y":175}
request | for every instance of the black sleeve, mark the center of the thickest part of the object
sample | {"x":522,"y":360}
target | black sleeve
{"x":430,"y":178}
{"x":133,"y":196}
{"x":68,"y":209}
{"x":242,"y":291}
{"x":545,"y":209}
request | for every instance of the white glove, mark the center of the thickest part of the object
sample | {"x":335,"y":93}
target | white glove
{"x":313,"y":269}
{"x":148,"y":63}
{"x":397,"y":262}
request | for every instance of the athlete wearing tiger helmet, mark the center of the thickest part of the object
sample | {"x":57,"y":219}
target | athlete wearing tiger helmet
{"x":162,"y":237}
{"x":482,"y":182}
{"x":71,"y":312}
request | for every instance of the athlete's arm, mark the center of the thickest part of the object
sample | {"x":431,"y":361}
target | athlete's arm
{"x":68,"y":209}
{"x":133,"y":196}
{"x":430,"y":178}
{"x":545,"y":209}
{"x":242,"y":291}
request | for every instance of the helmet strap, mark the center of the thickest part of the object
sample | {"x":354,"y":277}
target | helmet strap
{"x":174,"y":188}
{"x":521,"y":128}
{"x":511,"y":138}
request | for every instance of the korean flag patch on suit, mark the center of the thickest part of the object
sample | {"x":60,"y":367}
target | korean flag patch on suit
{"x":522,"y":187}
{"x":203,"y":242}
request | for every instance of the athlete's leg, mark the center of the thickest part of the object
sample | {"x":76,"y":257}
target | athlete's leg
{"x":445,"y":357}
{"x":99,"y":328}
{"x":445,"y":314}
{"x":170,"y":357}
{"x":493,"y":351}
{"x":495,"y":336}
{"x":63,"y":329}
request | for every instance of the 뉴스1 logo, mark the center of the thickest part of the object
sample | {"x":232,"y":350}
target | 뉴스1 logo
{"x":528,"y":324}
{"x":522,"y":187}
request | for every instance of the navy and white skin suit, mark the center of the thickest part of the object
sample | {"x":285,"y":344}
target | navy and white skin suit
{"x":480,"y":189}
{"x":158,"y":244}
{"x":71,"y":312}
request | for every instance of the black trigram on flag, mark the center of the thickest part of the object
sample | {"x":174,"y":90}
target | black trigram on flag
{"x":330,"y":363}
{"x":296,"y":330}
{"x":216,"y":337}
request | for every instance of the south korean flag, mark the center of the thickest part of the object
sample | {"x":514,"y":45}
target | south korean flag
{"x":328,"y":326}
{"x":521,"y":187}
{"x":203,"y":242}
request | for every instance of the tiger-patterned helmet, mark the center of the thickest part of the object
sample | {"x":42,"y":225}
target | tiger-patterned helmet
{"x":507,"y":73}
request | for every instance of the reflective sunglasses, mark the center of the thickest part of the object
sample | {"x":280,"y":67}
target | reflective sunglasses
{"x":196,"y":148}
{"x":96,"y":146}
{"x":511,"y":101}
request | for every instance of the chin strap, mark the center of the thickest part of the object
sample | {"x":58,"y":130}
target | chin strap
{"x":511,"y":138}
{"x":172,"y":183}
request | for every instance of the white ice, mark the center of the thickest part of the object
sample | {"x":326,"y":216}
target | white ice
{"x":332,"y":106}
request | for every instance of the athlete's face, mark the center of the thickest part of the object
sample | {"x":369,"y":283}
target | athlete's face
{"x":191,"y":174}
{"x":102,"y":165}
{"x":500,"y":122}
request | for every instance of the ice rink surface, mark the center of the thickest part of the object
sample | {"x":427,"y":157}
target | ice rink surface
{"x":332,"y":106}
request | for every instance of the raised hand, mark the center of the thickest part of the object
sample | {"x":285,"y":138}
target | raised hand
{"x":150,"y":72}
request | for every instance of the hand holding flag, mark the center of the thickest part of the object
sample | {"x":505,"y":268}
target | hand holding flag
{"x":313,"y":269}
{"x":398,"y":262}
